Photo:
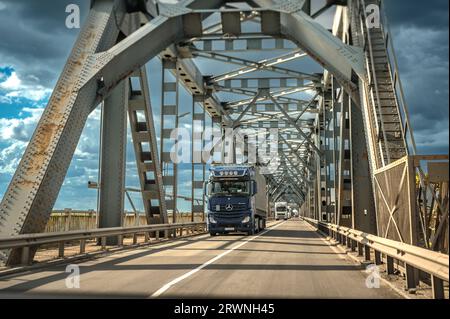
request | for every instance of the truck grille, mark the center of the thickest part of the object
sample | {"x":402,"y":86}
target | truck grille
{"x":229,"y":215}
{"x":234,"y":207}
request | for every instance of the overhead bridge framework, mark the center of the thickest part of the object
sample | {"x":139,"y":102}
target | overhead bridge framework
{"x":343,"y":147}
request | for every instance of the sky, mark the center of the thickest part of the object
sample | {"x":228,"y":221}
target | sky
{"x":34,"y":45}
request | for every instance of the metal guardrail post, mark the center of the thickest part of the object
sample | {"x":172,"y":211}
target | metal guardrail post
{"x":348,"y":242}
{"x":61,"y":250}
{"x":378,"y":260}
{"x":103,"y":242}
{"x":360,"y":249}
{"x":82,"y":246}
{"x":367,"y":253}
{"x":353,"y":245}
{"x":412,"y":277}
{"x":25,"y":258}
{"x":437,"y":287}
{"x":390,"y":265}
{"x":146,"y":237}
{"x":120,"y":240}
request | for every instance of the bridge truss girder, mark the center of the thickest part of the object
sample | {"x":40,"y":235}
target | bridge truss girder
{"x":99,"y":64}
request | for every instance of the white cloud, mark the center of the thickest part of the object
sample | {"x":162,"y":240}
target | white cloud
{"x":33,"y":95}
{"x":10,"y":157}
{"x":11,"y":83}
{"x":14,"y":88}
{"x":19,"y":129}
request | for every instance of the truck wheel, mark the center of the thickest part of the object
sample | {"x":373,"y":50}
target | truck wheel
{"x":256,"y":225}
{"x":213,"y":234}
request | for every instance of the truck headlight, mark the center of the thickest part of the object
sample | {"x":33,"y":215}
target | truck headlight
{"x":212,"y":220}
{"x":246,"y":219}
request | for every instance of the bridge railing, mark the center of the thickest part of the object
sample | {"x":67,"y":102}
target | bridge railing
{"x":413,"y":258}
{"x":30,"y":242}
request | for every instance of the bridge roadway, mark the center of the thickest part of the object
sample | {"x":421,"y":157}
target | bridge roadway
{"x":289,"y":260}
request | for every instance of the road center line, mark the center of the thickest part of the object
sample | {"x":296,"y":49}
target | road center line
{"x":164,"y":288}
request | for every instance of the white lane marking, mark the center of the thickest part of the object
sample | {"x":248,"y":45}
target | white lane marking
{"x":164,"y":288}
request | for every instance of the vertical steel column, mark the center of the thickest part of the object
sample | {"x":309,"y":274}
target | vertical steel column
{"x":318,"y":179}
{"x":344,"y":204}
{"x":363,"y":212}
{"x":169,"y":121}
{"x":324,"y":160}
{"x":112,"y":169}
{"x":337,"y":107}
{"x":328,"y":151}
{"x":198,"y":165}
{"x":143,"y":133}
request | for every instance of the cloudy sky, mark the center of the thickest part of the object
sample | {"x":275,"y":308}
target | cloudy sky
{"x":34,"y":44}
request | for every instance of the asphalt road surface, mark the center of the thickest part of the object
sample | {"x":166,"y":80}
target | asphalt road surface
{"x":289,"y":260}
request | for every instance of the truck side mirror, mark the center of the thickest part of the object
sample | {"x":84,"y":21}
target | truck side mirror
{"x":254,"y":188}
{"x":207,"y":186}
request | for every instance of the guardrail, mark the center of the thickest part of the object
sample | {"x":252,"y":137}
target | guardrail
{"x":30,"y":242}
{"x":414,"y":258}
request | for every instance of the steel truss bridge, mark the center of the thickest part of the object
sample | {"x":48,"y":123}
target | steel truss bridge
{"x":347,"y":153}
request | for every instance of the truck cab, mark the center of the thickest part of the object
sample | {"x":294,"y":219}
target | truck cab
{"x":236,"y":200}
{"x":281,"y":211}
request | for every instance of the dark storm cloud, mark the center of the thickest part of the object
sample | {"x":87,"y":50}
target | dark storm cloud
{"x":425,"y":14}
{"x":34,"y":38}
{"x":420,"y":33}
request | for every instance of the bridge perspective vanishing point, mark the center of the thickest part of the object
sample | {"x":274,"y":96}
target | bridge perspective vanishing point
{"x":322,"y":113}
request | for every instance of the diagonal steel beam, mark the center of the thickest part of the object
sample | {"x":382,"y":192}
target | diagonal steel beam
{"x":299,"y":129}
{"x":252,"y":66}
{"x":296,"y":155}
{"x":278,"y":94}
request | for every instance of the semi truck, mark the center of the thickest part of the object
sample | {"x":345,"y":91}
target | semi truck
{"x":281,"y":211}
{"x":237,"y":199}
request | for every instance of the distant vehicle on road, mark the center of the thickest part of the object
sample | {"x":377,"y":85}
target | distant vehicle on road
{"x":281,"y":211}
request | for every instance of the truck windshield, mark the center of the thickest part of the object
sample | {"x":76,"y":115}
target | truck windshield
{"x":230,"y":188}
{"x":281,"y":209}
